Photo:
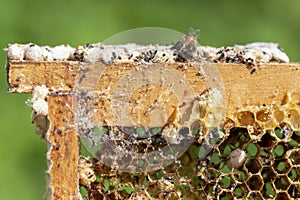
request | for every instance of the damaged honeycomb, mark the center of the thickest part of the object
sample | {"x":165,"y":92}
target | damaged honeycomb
{"x":258,"y":157}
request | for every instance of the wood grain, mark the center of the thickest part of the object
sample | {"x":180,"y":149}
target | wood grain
{"x":63,"y":153}
{"x":268,"y":85}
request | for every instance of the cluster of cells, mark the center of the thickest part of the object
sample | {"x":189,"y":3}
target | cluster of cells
{"x":257,"y":156}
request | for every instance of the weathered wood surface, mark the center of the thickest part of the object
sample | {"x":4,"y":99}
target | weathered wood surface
{"x":63,"y":153}
{"x":267,"y":86}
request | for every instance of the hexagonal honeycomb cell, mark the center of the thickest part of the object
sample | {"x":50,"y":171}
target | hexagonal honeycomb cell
{"x":253,"y":166}
{"x":255,"y":183}
{"x":282,"y":182}
{"x":268,"y":174}
{"x":240,"y":191}
{"x":255,"y":196}
{"x":256,"y":157}
{"x":268,"y":190}
{"x":282,"y":166}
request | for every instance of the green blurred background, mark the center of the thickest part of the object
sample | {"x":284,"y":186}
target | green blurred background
{"x":23,"y":161}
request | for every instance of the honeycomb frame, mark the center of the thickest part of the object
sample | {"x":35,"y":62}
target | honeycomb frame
{"x":267,"y":133}
{"x":270,"y":137}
